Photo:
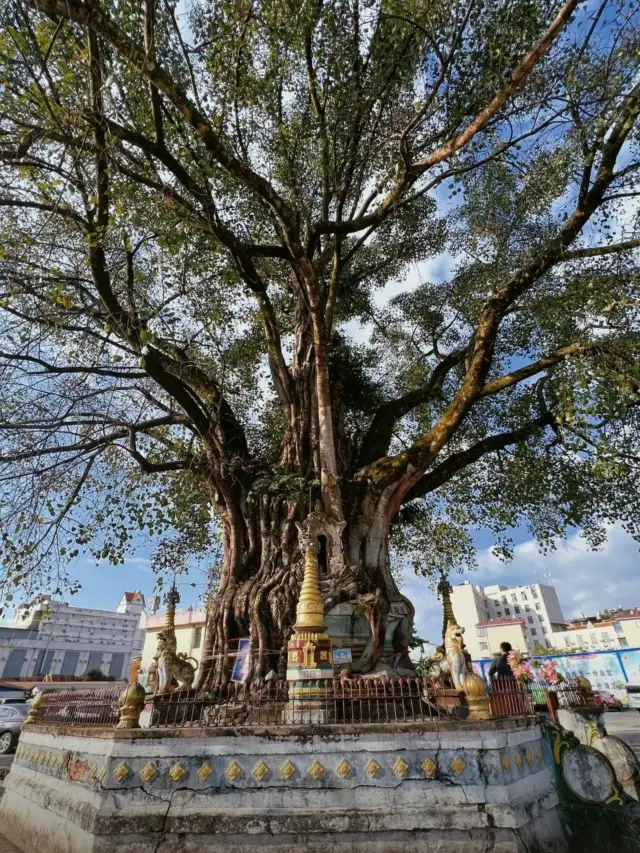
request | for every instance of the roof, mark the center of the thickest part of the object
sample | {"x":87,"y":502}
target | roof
{"x":492,"y":622}
{"x":132,"y":596}
{"x":155,"y":621}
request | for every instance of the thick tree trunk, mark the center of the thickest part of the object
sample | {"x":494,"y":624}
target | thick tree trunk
{"x":261,"y":578}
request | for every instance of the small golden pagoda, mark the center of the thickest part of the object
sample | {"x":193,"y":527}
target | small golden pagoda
{"x":309,"y":650}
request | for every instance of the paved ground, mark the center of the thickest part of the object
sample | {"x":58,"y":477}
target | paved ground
{"x":625,"y":725}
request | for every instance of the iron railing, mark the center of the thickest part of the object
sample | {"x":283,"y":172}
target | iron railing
{"x":86,"y":707}
{"x":321,"y":702}
{"x":509,"y":697}
{"x":327,"y":702}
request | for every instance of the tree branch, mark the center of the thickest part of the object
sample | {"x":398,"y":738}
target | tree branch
{"x":443,"y":472}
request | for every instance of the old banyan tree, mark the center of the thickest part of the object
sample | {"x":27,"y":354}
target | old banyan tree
{"x":374,"y":261}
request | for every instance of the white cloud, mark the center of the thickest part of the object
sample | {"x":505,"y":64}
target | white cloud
{"x":586,"y":581}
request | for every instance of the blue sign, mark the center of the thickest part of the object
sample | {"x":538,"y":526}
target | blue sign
{"x":241,"y":666}
{"x":342,"y":656}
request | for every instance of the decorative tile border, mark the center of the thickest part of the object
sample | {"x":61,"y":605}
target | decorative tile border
{"x":384,"y":768}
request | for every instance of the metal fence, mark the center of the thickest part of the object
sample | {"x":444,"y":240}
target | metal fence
{"x":86,"y":707}
{"x":320,"y":702}
{"x":325,"y":702}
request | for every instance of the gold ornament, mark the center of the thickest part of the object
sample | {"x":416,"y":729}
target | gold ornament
{"x":148,"y":772}
{"x":93,"y":770}
{"x":102,"y":773}
{"x":529,"y":757}
{"x":261,"y":771}
{"x":177,"y":772}
{"x":458,"y":765}
{"x":343,"y":769}
{"x":518,"y":760}
{"x":34,"y":708}
{"x":476,"y":689}
{"x":233,"y":771}
{"x":316,"y":770}
{"x":400,"y":767}
{"x":287,"y":770}
{"x":506,"y":762}
{"x":204,"y":772}
{"x":131,"y":702}
{"x":538,"y":754}
{"x":372,"y":768}
{"x":121,"y":772}
{"x":310,"y":609}
{"x":429,"y":767}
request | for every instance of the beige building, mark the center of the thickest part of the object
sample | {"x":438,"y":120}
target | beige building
{"x":533,"y":608}
{"x":616,"y":629}
{"x":189,"y":628}
{"x":491,"y":634}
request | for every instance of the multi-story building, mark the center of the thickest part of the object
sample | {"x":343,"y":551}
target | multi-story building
{"x":49,"y":637}
{"x":530,"y":618}
{"x":530,"y":613}
{"x":609,"y":630}
{"x":189,"y":628}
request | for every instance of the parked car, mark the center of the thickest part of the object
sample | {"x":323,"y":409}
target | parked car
{"x":633,"y":692}
{"x":12,"y":718}
{"x":608,"y":700}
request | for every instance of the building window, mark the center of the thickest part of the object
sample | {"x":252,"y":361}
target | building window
{"x":618,"y":628}
{"x":514,"y":598}
{"x":517,"y":609}
{"x":579,"y":639}
{"x":567,"y":642}
{"x":606,"y":637}
{"x":527,"y":608}
{"x":523,"y":595}
{"x":481,"y":632}
{"x":497,"y":603}
{"x":484,"y":647}
{"x":533,"y":632}
{"x":593,"y":639}
{"x":197,"y":638}
{"x":530,"y":620}
{"x":499,"y":613}
{"x":504,"y":599}
{"x":534,"y":592}
{"x":623,"y":643}
{"x":537,"y":605}
{"x":507,"y":612}
{"x":544,"y":630}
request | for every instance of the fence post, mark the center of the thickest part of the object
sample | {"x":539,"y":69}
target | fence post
{"x":34,"y":708}
{"x":131,"y":703}
{"x":552,"y":705}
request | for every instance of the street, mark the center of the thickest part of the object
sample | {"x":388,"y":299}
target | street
{"x":625,"y":725}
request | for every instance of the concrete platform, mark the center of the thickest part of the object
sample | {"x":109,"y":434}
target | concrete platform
{"x":441,"y":787}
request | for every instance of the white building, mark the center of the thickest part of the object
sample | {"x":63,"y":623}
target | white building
{"x":534,"y":608}
{"x":50,"y":637}
{"x":612,"y":629}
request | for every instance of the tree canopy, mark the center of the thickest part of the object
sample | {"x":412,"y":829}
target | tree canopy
{"x":216,"y":236}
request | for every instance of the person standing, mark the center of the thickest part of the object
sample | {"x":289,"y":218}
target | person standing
{"x":501,"y":667}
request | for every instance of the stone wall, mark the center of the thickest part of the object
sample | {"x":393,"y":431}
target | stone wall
{"x":443,"y":787}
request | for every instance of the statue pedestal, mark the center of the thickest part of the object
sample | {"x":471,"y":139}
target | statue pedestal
{"x":444,"y":785}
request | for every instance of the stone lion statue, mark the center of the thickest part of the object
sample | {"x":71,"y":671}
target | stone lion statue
{"x":450,"y":661}
{"x":173,"y":666}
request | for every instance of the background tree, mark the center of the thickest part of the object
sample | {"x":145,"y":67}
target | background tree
{"x":194,"y":216}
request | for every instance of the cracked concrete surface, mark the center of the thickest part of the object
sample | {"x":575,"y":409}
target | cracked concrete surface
{"x":469,"y":805}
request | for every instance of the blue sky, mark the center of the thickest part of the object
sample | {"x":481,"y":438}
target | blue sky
{"x":585,"y":580}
